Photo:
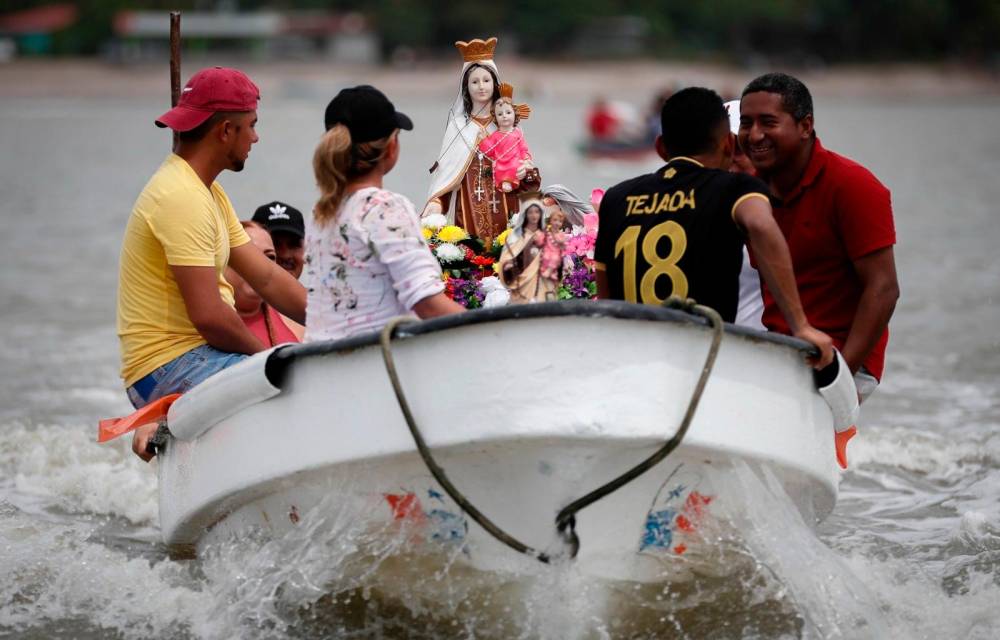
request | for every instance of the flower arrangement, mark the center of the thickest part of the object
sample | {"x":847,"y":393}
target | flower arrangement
{"x":578,"y":282}
{"x":469,"y":267}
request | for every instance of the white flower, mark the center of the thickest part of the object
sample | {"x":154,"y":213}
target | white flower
{"x":578,"y":230}
{"x":434,"y":221}
{"x":496,"y":298}
{"x":447,"y":252}
{"x":491,"y":283}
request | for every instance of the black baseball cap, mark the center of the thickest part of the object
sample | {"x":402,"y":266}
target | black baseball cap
{"x":278,"y":216}
{"x":366,"y":112}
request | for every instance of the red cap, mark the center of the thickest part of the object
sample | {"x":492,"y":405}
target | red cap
{"x":207,"y":92}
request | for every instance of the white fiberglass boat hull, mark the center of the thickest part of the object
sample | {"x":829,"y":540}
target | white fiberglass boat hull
{"x":526,"y":408}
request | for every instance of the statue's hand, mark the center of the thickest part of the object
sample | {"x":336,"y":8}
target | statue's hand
{"x":525,"y":167}
{"x":432,"y":207}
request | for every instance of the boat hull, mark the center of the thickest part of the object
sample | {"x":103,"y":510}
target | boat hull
{"x":526,"y":411}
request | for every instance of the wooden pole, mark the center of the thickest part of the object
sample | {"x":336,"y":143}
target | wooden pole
{"x":175,"y":62}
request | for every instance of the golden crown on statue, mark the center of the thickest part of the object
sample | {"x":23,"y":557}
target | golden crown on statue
{"x":476,"y":50}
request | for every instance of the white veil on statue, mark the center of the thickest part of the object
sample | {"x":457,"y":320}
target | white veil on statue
{"x":517,"y":222}
{"x":569,"y":202}
{"x":461,"y":133}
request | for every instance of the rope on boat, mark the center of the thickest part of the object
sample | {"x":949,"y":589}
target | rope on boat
{"x":432,"y":465}
{"x":566,"y":518}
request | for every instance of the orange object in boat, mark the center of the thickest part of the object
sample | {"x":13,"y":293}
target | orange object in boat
{"x":841,"y":439}
{"x":111,"y":428}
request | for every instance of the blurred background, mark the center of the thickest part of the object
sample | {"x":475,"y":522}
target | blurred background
{"x":807,"y":33}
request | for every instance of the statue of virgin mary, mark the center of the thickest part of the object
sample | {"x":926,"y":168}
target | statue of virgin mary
{"x":462,"y":184}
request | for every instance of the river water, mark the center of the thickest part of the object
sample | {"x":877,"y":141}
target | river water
{"x":912,"y":549}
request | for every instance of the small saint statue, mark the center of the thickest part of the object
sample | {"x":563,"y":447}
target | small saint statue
{"x":553,"y":251}
{"x":506,"y":146}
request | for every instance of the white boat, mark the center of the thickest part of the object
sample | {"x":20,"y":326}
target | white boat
{"x":526,"y":408}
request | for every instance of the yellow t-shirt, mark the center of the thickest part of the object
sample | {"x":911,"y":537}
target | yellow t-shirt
{"x":175,"y":221}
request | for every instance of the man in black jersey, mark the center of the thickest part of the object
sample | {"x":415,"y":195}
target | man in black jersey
{"x":680,"y":230}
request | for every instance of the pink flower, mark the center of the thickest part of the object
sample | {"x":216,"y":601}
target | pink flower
{"x":595,"y":198}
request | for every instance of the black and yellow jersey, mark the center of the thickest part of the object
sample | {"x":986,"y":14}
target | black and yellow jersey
{"x":672,"y":232}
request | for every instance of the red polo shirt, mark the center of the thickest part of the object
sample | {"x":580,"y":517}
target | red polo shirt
{"x":838,"y":212}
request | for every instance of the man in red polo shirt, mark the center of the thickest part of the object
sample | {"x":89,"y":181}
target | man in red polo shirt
{"x":837,"y":219}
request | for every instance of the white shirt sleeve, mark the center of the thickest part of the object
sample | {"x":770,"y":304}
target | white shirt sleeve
{"x":395,"y":236}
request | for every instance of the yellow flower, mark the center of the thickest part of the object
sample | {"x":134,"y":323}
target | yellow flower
{"x":451,"y":233}
{"x":502,"y":237}
{"x":496,"y":267}
{"x":428,"y":234}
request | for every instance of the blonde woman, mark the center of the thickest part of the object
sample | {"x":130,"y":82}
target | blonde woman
{"x":366,"y":260}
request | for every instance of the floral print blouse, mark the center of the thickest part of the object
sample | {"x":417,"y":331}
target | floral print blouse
{"x":365,"y":266}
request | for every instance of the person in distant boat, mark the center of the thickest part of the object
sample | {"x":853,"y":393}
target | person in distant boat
{"x":837,"y":220}
{"x":176,"y":321}
{"x":366,"y":258}
{"x":270,"y":327}
{"x":284,"y":223}
{"x":680,"y":230}
{"x":602,"y":122}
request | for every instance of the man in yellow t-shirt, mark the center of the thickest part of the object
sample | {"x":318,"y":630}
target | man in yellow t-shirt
{"x":176,"y":321}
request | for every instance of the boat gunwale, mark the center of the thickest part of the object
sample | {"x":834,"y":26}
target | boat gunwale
{"x":283,"y":356}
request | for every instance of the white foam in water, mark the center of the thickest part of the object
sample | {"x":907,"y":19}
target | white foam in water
{"x":52,"y":572}
{"x":831,"y":599}
{"x":64,"y":467}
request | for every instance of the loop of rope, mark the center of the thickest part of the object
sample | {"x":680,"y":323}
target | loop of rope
{"x":566,"y":518}
{"x":425,"y":453}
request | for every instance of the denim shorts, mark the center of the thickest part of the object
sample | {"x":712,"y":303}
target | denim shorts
{"x":181,"y":373}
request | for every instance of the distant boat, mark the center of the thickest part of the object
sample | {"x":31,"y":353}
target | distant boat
{"x":526,"y":408}
{"x":631,"y":150}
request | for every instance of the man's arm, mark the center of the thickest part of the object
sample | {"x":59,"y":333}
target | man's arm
{"x":278,"y":288}
{"x":215,"y":320}
{"x":879,"y":293}
{"x":775,"y":264}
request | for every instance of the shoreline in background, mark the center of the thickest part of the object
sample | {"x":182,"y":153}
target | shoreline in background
{"x":634,"y":81}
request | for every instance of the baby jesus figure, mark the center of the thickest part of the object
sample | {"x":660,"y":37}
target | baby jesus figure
{"x":506,"y":146}
{"x":553,"y":244}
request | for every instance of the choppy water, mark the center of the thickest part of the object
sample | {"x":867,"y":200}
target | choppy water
{"x":911,"y":551}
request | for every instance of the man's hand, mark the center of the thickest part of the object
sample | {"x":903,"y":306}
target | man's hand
{"x":140,"y":438}
{"x":822,"y":341}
